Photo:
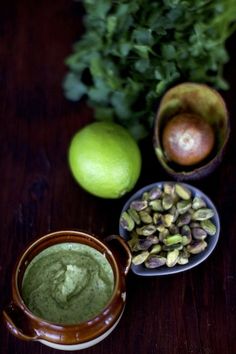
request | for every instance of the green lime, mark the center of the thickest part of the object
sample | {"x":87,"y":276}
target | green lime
{"x":105,"y":159}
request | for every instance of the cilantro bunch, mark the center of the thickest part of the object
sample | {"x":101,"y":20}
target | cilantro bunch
{"x":133,"y":50}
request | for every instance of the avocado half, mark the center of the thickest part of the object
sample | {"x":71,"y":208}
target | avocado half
{"x":205,"y":102}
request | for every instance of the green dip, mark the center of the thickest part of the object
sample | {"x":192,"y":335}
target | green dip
{"x":68,"y":283}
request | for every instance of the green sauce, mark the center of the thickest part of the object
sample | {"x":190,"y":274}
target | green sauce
{"x":68,"y":283}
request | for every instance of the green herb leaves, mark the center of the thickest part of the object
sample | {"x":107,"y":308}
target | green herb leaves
{"x":132,"y":51}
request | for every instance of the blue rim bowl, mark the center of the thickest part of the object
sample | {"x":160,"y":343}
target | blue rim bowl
{"x":194,"y":259}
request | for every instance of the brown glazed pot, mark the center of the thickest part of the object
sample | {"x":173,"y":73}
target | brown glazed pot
{"x":203,"y":101}
{"x":25,"y":325}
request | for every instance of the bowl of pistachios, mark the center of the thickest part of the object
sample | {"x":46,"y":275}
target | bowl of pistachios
{"x":170,"y":227}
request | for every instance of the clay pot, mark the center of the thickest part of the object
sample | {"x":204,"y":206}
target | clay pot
{"x":27,"y":326}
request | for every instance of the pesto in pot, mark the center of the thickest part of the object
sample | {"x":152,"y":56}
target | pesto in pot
{"x":68,"y":283}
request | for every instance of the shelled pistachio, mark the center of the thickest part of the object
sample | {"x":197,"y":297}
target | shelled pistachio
{"x":208,"y":226}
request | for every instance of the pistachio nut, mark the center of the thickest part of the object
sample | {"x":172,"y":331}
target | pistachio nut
{"x":172,"y":258}
{"x":126,"y":221}
{"x":182,"y":259}
{"x":187,"y":238}
{"x":134,"y":215}
{"x":176,"y":246}
{"x":183,"y":219}
{"x":153,"y":238}
{"x":167,"y":219}
{"x":140,"y":258}
{"x":139,"y":204}
{"x":194,"y":224}
{"x":185,"y":230}
{"x":173,"y":229}
{"x":174,"y":211}
{"x":172,"y":240}
{"x":169,"y":189}
{"x":182,"y":191}
{"x":209,"y":227}
{"x":156,"y":249}
{"x":202,"y":214}
{"x":145,"y":196}
{"x":164,"y":233}
{"x":184,"y":253}
{"x":142,"y":245}
{"x":155,"y":193}
{"x":156,"y":205}
{"x":199,"y":233}
{"x":154,"y":261}
{"x":146,"y":230}
{"x":167,"y":201}
{"x":133,"y":240}
{"x":198,"y":203}
{"x":156,"y":218}
{"x":197,"y":246}
{"x":145,"y":217}
{"x":183,"y":206}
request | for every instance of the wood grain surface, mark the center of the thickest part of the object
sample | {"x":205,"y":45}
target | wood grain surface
{"x":193,"y":312}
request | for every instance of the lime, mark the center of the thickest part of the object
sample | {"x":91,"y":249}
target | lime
{"x":105,"y":159}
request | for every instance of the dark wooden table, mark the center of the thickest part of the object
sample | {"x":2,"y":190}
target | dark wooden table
{"x":193,"y":312}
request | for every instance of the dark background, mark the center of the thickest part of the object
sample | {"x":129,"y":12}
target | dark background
{"x":193,"y":312}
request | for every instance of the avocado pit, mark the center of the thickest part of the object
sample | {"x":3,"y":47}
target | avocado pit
{"x":187,"y":139}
